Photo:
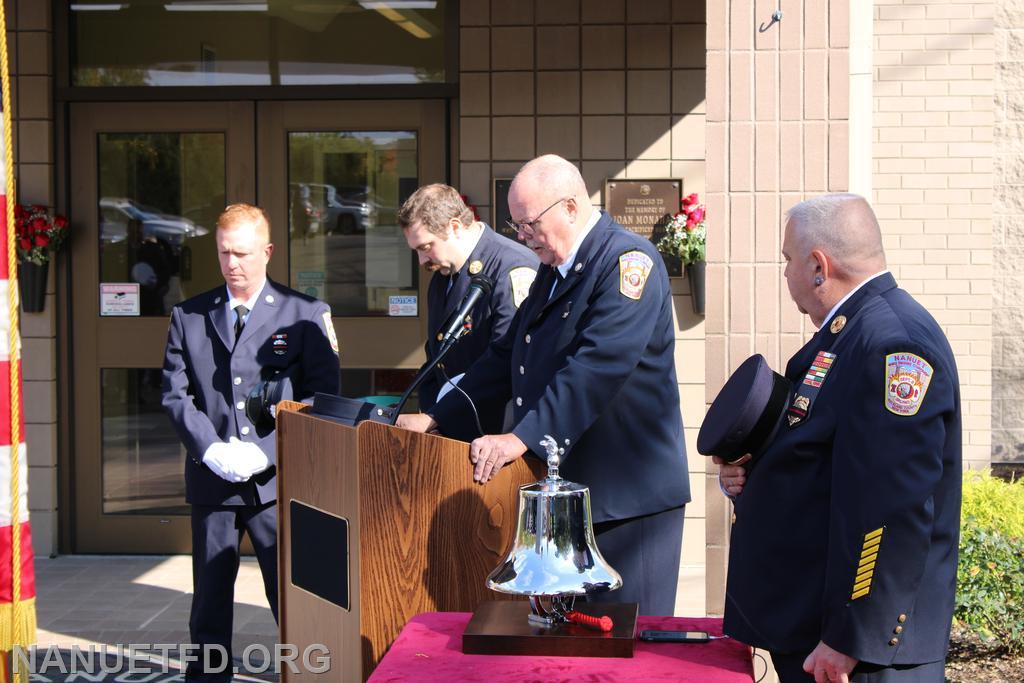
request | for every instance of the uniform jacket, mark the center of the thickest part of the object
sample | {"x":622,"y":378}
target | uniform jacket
{"x":512,"y":267}
{"x":207,"y":376}
{"x":594,"y":367}
{"x":847,"y":528}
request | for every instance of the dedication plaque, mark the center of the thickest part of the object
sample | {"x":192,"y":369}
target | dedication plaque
{"x":643,"y":206}
{"x":500,"y":211}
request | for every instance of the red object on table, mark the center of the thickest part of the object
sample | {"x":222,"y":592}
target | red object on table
{"x":429,"y":649}
{"x":596,"y":623}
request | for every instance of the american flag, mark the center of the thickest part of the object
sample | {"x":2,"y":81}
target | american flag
{"x":17,"y":574}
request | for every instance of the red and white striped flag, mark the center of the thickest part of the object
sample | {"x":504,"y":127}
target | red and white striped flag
{"x":17,"y":574}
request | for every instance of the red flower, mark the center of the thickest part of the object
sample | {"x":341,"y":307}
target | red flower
{"x":42,"y":239}
{"x":37,"y":224}
{"x":19,"y":212}
{"x":60,"y":222}
{"x":697,"y":215}
{"x":25,"y":244}
{"x":689,"y":200}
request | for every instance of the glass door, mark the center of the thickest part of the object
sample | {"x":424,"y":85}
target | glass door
{"x":336,"y":173}
{"x":147,"y":184}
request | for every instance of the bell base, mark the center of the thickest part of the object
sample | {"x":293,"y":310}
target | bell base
{"x":503,"y":628}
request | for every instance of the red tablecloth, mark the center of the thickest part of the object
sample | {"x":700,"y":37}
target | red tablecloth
{"x":430,"y":649}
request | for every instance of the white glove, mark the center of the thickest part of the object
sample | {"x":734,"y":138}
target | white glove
{"x":248,"y":458}
{"x":219,"y":457}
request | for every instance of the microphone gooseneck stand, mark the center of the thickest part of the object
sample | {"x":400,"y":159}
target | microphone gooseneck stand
{"x":427,"y":369}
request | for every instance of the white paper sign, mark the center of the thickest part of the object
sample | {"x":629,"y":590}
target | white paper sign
{"x":402,"y":305}
{"x":119,"y":298}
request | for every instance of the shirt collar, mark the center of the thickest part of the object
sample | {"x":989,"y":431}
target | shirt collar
{"x":472,"y":247}
{"x":566,"y":266}
{"x":849,"y":294}
{"x":248,"y":303}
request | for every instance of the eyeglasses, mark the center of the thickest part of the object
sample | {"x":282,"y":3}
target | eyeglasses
{"x":528,"y":227}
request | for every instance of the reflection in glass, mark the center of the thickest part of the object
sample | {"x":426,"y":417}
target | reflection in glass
{"x":160,"y":195}
{"x":385,"y":385}
{"x":273,"y":42}
{"x":344,"y":192}
{"x":143,"y":460}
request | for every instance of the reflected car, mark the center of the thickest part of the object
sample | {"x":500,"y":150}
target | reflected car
{"x":346,"y":210}
{"x":116,"y":213}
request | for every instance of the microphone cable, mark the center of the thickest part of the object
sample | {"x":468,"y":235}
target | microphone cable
{"x":455,"y":386}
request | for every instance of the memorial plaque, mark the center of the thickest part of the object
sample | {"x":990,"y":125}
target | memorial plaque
{"x":643,"y":206}
{"x":500,"y":212}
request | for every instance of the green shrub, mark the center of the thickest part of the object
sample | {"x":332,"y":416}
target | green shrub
{"x":990,"y":578}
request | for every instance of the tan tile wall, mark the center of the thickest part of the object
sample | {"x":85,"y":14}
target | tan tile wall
{"x":29,"y":46}
{"x":616,"y":87}
{"x":1008,"y":236}
{"x":778,"y":130}
{"x":932,"y":177}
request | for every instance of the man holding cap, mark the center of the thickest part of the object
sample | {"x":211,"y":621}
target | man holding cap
{"x":221,"y":345}
{"x":844,"y":548}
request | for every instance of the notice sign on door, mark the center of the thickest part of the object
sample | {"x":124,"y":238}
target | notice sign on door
{"x":119,"y":298}
{"x":402,"y":305}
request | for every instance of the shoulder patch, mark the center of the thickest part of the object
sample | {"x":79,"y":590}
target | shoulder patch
{"x":521,"y":277}
{"x":329,"y":329}
{"x":907,"y":377}
{"x":634,"y":267}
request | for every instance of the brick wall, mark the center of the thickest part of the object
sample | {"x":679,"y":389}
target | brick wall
{"x":618,"y":88}
{"x":29,"y":47}
{"x":778,"y":131}
{"x":1008,"y":236}
{"x":932,"y":178}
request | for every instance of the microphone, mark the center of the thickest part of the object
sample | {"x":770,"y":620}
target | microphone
{"x":453,"y":328}
{"x":449,"y":333}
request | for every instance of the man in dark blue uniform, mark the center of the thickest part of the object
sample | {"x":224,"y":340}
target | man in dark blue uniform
{"x":220,"y":345}
{"x":450,"y":243}
{"x":589,"y":360}
{"x":844,"y":547}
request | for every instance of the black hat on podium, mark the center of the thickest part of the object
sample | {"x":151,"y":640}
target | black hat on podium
{"x":745,"y":414}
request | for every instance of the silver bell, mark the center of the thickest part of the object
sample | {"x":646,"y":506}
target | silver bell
{"x":553,"y":552}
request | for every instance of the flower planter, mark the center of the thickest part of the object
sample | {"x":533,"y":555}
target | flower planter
{"x":695,"y":274}
{"x":32,"y":285}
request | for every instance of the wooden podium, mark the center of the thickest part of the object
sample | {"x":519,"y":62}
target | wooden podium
{"x":378,"y":524}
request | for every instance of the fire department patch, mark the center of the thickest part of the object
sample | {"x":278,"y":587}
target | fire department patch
{"x":329,"y":329}
{"x":907,"y":377}
{"x":522,"y":278}
{"x":634,"y":267}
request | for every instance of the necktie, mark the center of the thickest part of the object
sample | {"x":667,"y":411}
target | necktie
{"x":240,"y":313}
{"x":559,"y":278}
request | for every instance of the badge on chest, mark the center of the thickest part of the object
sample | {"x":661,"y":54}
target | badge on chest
{"x":279,"y":342}
{"x":807,"y":391}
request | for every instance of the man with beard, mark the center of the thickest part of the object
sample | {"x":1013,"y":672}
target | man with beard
{"x":450,"y":243}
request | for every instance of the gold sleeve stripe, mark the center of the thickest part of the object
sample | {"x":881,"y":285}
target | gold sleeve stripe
{"x":866,"y":583}
{"x":866,"y":565}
